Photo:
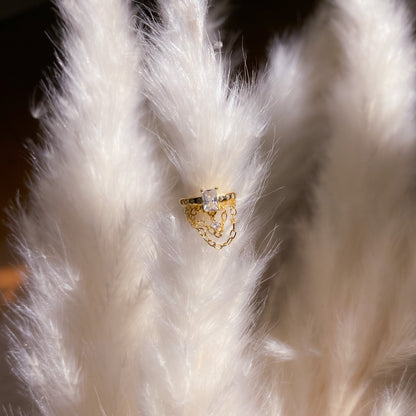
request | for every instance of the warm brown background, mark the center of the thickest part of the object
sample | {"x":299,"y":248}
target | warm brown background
{"x":26,"y":52}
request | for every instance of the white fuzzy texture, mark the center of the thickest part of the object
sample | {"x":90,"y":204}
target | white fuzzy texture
{"x":209,"y":124}
{"x":296,"y":84}
{"x":350,"y":310}
{"x":130,"y":312}
{"x":297,"y":81}
{"x":201,"y":353}
{"x":85,"y":235}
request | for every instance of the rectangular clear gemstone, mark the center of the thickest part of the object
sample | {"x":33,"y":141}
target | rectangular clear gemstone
{"x":210,"y":200}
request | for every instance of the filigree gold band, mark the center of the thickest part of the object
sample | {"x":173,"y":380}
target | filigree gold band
{"x":209,"y":213}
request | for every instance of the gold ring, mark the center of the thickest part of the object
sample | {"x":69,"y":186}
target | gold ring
{"x":209,"y":213}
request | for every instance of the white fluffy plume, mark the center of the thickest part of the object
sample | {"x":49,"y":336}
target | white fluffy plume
{"x":88,"y":234}
{"x":296,"y":84}
{"x":84,"y":236}
{"x":204,"y":360}
{"x":350,"y":312}
{"x":129,"y":312}
{"x":297,"y":81}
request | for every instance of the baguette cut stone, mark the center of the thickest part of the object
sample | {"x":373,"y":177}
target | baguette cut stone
{"x":210,"y":200}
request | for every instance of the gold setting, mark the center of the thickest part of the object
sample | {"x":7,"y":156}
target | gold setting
{"x":213,"y":225}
